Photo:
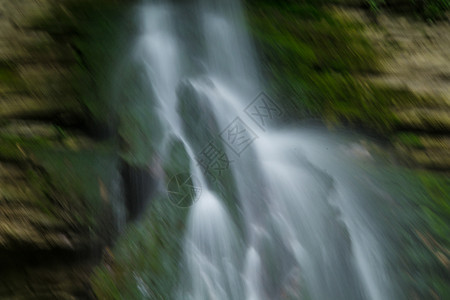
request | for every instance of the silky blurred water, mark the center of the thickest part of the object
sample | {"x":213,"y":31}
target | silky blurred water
{"x":287,"y":214}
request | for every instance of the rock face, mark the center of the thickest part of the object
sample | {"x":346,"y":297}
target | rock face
{"x":419,"y":61}
{"x":414,"y":56}
{"x":58,"y":186}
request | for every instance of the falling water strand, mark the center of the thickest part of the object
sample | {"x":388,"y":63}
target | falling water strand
{"x":289,"y":225}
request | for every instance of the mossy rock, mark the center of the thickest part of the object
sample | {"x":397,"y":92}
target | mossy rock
{"x":145,"y":261}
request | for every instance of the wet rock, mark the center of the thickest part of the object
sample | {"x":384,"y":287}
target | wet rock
{"x":23,"y":106}
{"x":48,"y":237}
{"x":424,"y":151}
{"x":30,"y":129}
{"x":196,"y":111}
{"x":358,"y":151}
{"x":428,"y":120}
{"x":139,"y":183}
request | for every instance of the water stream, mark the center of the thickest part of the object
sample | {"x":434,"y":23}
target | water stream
{"x":278,"y":212}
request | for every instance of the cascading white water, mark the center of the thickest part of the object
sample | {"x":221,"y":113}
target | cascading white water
{"x":288,"y":222}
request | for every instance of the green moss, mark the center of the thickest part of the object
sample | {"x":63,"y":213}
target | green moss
{"x":139,"y":125}
{"x":438,"y":188}
{"x":313,"y":61}
{"x":71,"y":180}
{"x":344,"y":99}
{"x":435,"y":9}
{"x":14,"y":148}
{"x":105,"y":285}
{"x":431,"y":10}
{"x":92,"y":29}
{"x":9,"y":77}
{"x":409,"y":140}
{"x":42,"y":188}
{"x":146,"y":259}
{"x":6,"y":75}
{"x":83,"y":182}
{"x":416,"y":223}
{"x":316,"y":62}
{"x":435,"y":233}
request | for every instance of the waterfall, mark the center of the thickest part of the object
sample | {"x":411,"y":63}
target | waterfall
{"x":275,"y":212}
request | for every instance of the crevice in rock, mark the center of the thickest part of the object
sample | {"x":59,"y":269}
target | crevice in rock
{"x":139,"y":184}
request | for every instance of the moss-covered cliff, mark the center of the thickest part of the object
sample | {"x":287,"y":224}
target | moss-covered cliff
{"x":60,"y":179}
{"x":335,"y":63}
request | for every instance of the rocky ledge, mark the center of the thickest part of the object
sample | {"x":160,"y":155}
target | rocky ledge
{"x":54,"y":217}
{"x":414,"y":56}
